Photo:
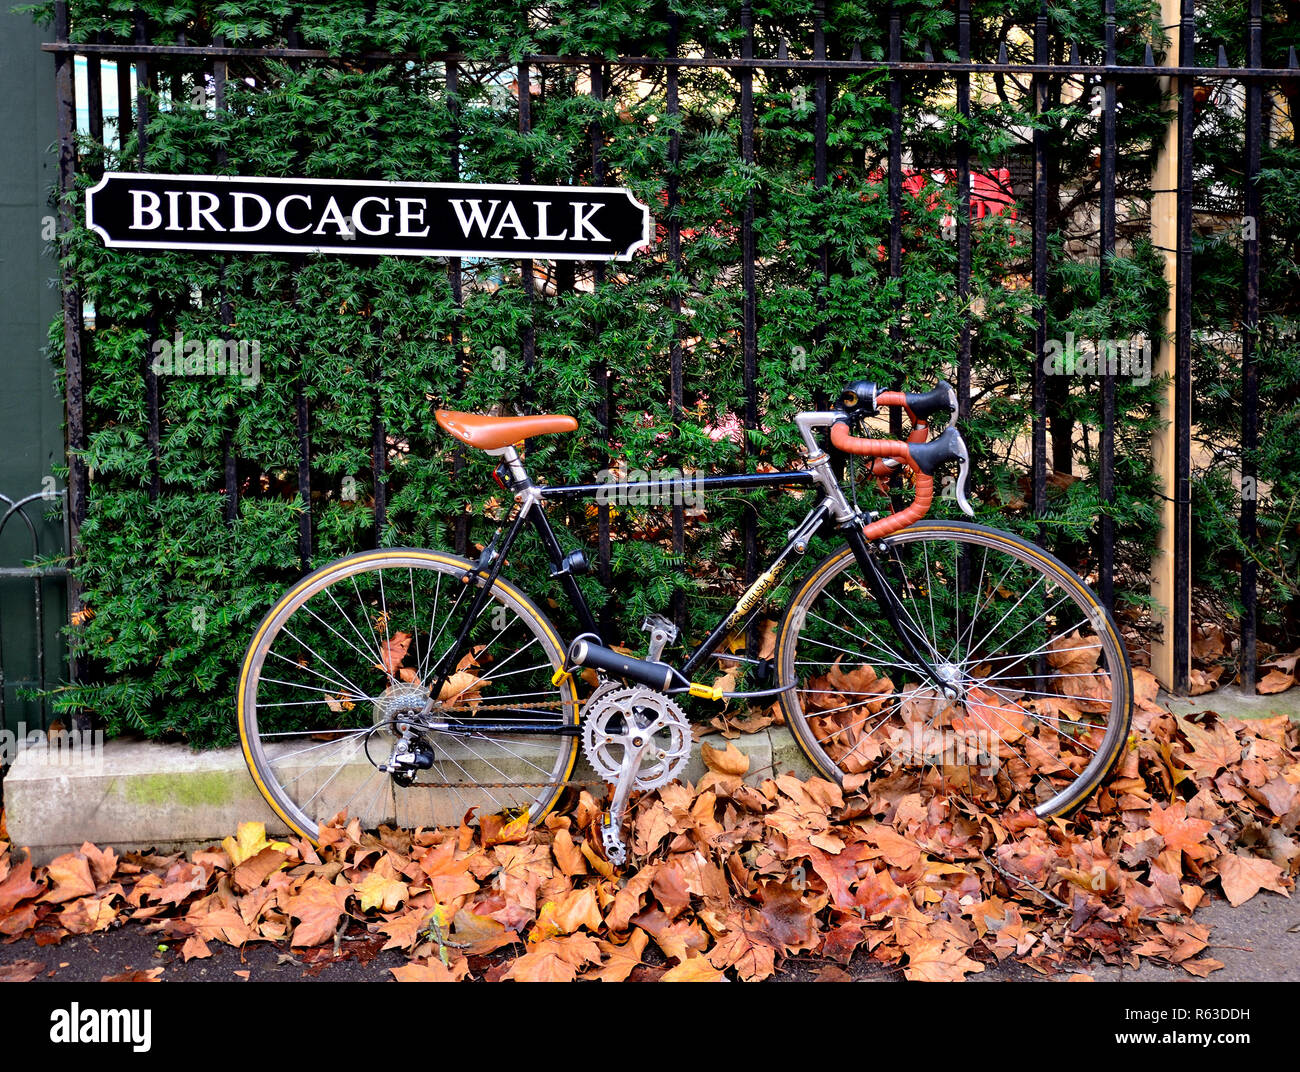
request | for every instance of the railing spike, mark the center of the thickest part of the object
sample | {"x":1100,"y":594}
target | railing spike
{"x":1002,"y":53}
{"x":1149,"y":57}
{"x":1290,"y":58}
{"x":1074,"y":53}
{"x":856,"y":54}
{"x":927,"y":51}
{"x":1223,"y":56}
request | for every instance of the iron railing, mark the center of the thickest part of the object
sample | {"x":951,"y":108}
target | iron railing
{"x":150,"y":57}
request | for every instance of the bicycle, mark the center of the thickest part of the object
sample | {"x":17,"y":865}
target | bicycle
{"x":943,"y":653}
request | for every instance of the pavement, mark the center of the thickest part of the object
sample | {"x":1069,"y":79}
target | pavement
{"x":1234,"y":703}
{"x":1256,"y":941}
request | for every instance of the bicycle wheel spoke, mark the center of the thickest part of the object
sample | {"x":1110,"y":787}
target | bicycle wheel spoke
{"x":347,"y":681}
{"x":323,"y":743}
{"x":989,"y":702}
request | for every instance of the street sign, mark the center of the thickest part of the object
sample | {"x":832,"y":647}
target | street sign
{"x":408,"y":219}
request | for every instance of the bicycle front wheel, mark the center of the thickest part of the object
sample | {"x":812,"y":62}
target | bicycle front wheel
{"x":337,"y":677}
{"x":1036,"y":695}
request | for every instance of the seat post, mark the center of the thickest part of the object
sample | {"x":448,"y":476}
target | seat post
{"x":513,"y":462}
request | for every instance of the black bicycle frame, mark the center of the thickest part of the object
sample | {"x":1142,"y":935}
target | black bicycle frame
{"x":745,"y":608}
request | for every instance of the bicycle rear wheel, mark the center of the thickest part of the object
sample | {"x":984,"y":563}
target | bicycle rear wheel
{"x":341,"y":667}
{"x":1041,"y":691}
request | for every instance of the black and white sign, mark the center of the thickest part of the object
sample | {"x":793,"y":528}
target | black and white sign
{"x":411,"y":219}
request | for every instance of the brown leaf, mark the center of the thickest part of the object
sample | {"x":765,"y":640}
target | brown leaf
{"x":255,"y":870}
{"x":1209,"y":642}
{"x":669,"y":888}
{"x":392,"y":652}
{"x":448,"y":875}
{"x":70,"y":874}
{"x":1212,"y":750}
{"x":432,"y":970}
{"x":541,"y":965}
{"x":1074,"y":654}
{"x":480,"y":934}
{"x":730,"y":760}
{"x":404,"y":931}
{"x":1273,"y":682}
{"x":195,"y":948}
{"x":102,"y":862}
{"x":745,"y":946}
{"x":19,"y":886}
{"x":462,"y":687}
{"x":318,"y":906}
{"x":569,"y":912}
{"x":21,"y":971}
{"x":1244,"y":876}
{"x":934,"y":960}
{"x":1181,"y":834}
{"x":790,"y":924}
{"x":567,"y":854}
{"x":132,"y":976}
{"x":1202,"y":681}
{"x":87,"y":915}
{"x":896,"y":849}
{"x":619,"y":961}
{"x":696,"y":969}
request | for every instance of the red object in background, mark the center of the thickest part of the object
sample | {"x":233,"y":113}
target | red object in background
{"x":722,"y":228}
{"x":990,"y":194}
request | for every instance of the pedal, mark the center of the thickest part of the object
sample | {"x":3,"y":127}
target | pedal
{"x":662,"y":633}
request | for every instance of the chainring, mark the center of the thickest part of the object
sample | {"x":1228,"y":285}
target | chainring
{"x":616,"y":720}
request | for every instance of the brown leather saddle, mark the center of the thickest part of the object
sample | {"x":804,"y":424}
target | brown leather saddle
{"x":493,"y":433}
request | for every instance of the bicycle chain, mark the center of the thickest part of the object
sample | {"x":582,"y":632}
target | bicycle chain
{"x":510,"y":785}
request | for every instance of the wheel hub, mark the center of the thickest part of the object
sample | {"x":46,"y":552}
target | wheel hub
{"x":398,"y":704}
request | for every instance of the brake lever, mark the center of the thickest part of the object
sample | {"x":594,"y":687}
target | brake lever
{"x":949,"y":447}
{"x":963,"y":475}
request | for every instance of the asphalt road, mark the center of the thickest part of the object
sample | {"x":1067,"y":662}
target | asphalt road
{"x":1257,"y":941}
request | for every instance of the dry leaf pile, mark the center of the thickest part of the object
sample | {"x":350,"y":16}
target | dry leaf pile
{"x":728,"y":879}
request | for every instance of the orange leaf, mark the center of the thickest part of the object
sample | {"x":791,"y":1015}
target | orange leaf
{"x":195,"y":948}
{"x":70,"y":874}
{"x":318,"y":906}
{"x":730,"y":760}
{"x":620,"y":960}
{"x":695,"y":969}
{"x":392,"y":652}
{"x":1274,"y":681}
{"x":1244,"y":876}
{"x":431,"y":971}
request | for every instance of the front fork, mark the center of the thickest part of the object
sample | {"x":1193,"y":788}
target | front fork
{"x":889,"y":602}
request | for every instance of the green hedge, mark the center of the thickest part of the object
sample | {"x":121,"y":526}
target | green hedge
{"x":174,"y":589}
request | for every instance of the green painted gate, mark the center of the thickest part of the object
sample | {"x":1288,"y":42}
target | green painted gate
{"x":33,"y":605}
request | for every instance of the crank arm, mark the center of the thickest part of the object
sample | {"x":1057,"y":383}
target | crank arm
{"x":611,"y":828}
